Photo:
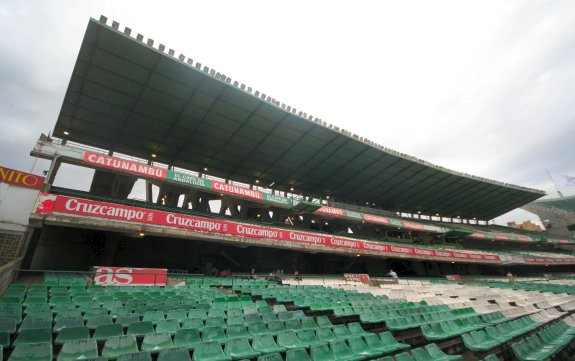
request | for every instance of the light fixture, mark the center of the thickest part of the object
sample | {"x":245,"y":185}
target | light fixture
{"x":437,"y":214}
{"x":141,"y":234}
{"x":418,"y":212}
{"x":452,"y":262}
{"x":291,"y":189}
{"x":153,"y":155}
{"x":357,"y":255}
{"x":66,"y":132}
{"x":458,"y":216}
{"x":326,"y":223}
{"x":326,"y":197}
{"x":259,"y":215}
{"x":205,"y":169}
{"x":257,"y":180}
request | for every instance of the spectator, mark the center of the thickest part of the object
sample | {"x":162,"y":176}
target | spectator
{"x":393,"y":276}
{"x":296,"y":276}
{"x":510,"y":277}
{"x":253,"y":274}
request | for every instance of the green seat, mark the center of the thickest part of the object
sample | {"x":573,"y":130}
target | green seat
{"x":119,"y":345}
{"x":322,"y":352}
{"x":268,"y":317}
{"x":210,"y":351}
{"x":38,"y":313}
{"x":308,"y":324}
{"x":265,"y":343}
{"x":138,"y":356}
{"x":356,"y":329}
{"x":294,"y":325}
{"x":215,"y":321}
{"x":270,"y":357}
{"x":187,"y":337}
{"x":239,"y":348}
{"x":342,"y":332}
{"x":32,"y":352}
{"x":214,"y":333}
{"x":437,"y":354}
{"x":420,"y":354}
{"x":374,"y":343}
{"x":386,"y":358}
{"x":140,"y":328}
{"x":490,"y":358}
{"x":8,"y":325}
{"x":78,"y":349}
{"x":404,"y":356}
{"x":299,"y":354}
{"x":325,"y":334}
{"x":154,"y":316}
{"x":66,"y":322}
{"x":237,"y":331}
{"x":235,"y":320}
{"x":284,"y":316}
{"x":101,"y":358}
{"x":96,"y":321}
{"x":252,"y":317}
{"x":36,"y":324}
{"x":4,"y":339}
{"x":275,"y":327}
{"x":289,"y":340}
{"x":34,"y":336}
{"x":393,"y":345}
{"x":196,"y":323}
{"x":308,"y":338}
{"x":174,"y":354}
{"x":72,"y":334}
{"x":157,"y":341}
{"x":170,"y":326}
{"x":105,"y":331}
{"x":258,"y":328}
{"x":127,"y":319}
{"x":358,"y":346}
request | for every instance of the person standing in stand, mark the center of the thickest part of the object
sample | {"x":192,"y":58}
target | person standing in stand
{"x":393,"y":276}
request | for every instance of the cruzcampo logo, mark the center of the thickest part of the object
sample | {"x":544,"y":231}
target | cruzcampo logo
{"x":189,"y":179}
{"x":272,"y":198}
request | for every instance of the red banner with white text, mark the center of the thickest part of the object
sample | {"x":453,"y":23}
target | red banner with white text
{"x":48,"y":204}
{"x":130,"y":276}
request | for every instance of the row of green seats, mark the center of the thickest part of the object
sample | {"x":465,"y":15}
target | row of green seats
{"x":545,"y":344}
{"x":430,"y":352}
{"x":493,"y":336}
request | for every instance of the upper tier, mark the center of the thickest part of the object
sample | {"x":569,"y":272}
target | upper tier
{"x":127,"y":96}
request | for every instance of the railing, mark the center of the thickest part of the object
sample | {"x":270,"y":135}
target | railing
{"x":8,"y":273}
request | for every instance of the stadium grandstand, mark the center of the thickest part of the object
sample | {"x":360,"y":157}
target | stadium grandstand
{"x":222,"y":224}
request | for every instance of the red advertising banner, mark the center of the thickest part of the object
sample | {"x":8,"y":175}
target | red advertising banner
{"x":20,"y":179}
{"x":49,"y":203}
{"x":331,"y":211}
{"x":235,"y":190}
{"x":356,"y":277}
{"x":129,"y":276}
{"x":124,"y":165}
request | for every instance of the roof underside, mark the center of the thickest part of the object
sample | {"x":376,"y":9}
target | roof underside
{"x":566,"y":203}
{"x":128,"y":97}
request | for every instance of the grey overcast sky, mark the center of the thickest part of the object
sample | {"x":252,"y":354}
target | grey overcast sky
{"x":483,"y":87}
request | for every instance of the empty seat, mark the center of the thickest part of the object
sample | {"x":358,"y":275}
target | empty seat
{"x":266,"y":344}
{"x":388,"y":340}
{"x":210,"y":351}
{"x":188,"y":338}
{"x":437,"y":354}
{"x":270,"y":357}
{"x":237,"y":331}
{"x":239,"y":348}
{"x":170,"y":326}
{"x":71,"y":334}
{"x":32,"y":352}
{"x":157,"y":341}
{"x":322,"y":352}
{"x":140,"y":328}
{"x":174,"y":354}
{"x":214,"y":333}
{"x":78,"y":349}
{"x":119,"y":345}
{"x":105,"y":331}
{"x":127,"y":319}
{"x":34,"y":336}
{"x":138,"y":356}
{"x":358,"y":346}
{"x":289,"y":340}
{"x":299,"y":354}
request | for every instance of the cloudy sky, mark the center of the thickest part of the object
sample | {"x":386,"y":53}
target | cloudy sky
{"x":483,"y":87}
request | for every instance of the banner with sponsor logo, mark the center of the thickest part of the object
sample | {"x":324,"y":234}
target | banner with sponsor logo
{"x":129,"y":276}
{"x":20,"y":179}
{"x":49,"y":203}
{"x":356,"y":277}
{"x":370,"y":218}
{"x":124,"y":165}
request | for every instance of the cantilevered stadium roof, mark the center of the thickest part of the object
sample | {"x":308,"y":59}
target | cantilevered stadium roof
{"x":127,"y":96}
{"x":564,"y":203}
